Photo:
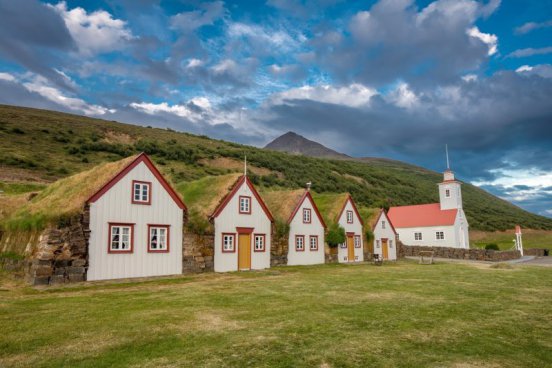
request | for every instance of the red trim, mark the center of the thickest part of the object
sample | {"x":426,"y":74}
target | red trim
{"x":382,"y":212}
{"x":359,"y":241}
{"x":244,"y":230}
{"x":315,"y":237}
{"x":300,"y":203}
{"x":237,"y":185}
{"x":303,"y":237}
{"x":249,"y":207}
{"x":233,"y":243}
{"x":350,"y":233}
{"x":148,"y":183}
{"x":142,"y":157}
{"x":352,"y":218}
{"x":167,"y":238}
{"x":110,"y":225}
{"x":349,"y":198}
{"x":310,"y":216}
{"x":264,"y":242}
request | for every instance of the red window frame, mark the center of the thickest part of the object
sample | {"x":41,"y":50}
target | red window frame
{"x":239,"y":205}
{"x":167,"y":238}
{"x":119,"y":251}
{"x":310,"y":215}
{"x":148,"y":183}
{"x":357,"y":237}
{"x":297,"y":237}
{"x":347,"y":214}
{"x":313,"y":237}
{"x":254,"y":243}
{"x":233,"y":242}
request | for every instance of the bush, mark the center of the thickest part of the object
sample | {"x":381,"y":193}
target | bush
{"x":335,"y":236}
{"x":369,"y":235}
{"x":492,"y":246}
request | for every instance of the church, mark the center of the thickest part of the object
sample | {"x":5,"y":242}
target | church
{"x":442,"y":224}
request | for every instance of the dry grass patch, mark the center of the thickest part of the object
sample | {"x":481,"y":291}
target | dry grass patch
{"x":233,"y":164}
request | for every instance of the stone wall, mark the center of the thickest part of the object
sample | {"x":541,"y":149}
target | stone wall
{"x":279,"y":251}
{"x":536,"y":252}
{"x":460,"y":253}
{"x":61,"y":255}
{"x":198,"y":253}
{"x":12,"y":264}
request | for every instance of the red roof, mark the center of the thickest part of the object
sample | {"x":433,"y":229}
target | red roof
{"x":421,"y":215}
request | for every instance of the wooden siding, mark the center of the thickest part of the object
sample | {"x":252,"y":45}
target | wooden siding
{"x":356,"y":228}
{"x":297,"y":227}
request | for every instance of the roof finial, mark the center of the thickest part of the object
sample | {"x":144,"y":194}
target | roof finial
{"x":446,"y":151}
{"x":309,"y":186}
{"x":245,"y":166}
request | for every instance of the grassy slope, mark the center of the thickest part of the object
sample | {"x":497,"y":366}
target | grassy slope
{"x":398,"y":315}
{"x":63,"y":144}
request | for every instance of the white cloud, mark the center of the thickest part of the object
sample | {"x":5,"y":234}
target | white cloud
{"x":183,"y":110}
{"x":403,"y":97}
{"x":530,"y":52}
{"x":469,"y":78}
{"x":40,"y":85}
{"x":353,"y":95}
{"x":95,"y":32}
{"x":531,"y":26}
{"x":7,"y":77}
{"x":524,"y":68}
{"x":192,"y":63}
{"x":191,"y":20}
{"x":489,"y":39}
{"x":263,"y":37}
{"x":542,"y":70}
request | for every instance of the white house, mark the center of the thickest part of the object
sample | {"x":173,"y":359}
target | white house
{"x":243,"y":230}
{"x":135,"y":225}
{"x":385,"y":237}
{"x":350,"y":220}
{"x":306,"y":233}
{"x":442,"y":224}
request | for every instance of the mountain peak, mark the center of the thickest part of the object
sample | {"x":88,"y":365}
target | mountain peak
{"x":294,"y":143}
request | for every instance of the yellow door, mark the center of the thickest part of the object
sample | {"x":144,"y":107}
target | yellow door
{"x":384,"y":249}
{"x":350,"y":249}
{"x":244,"y":252}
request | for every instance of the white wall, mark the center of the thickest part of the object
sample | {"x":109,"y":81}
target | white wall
{"x":462,"y":230}
{"x":297,"y":227}
{"x":406,"y":236}
{"x":229,"y":219}
{"x":455,"y":200}
{"x":115,"y":206}
{"x":385,"y":233}
{"x":356,"y":228}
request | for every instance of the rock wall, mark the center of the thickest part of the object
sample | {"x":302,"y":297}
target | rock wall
{"x":198,"y":253}
{"x":61,"y":255}
{"x":536,"y":252}
{"x":278,"y":251}
{"x":459,"y":253}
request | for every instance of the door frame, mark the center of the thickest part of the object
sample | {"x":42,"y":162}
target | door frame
{"x":384,"y":242}
{"x":245,"y":231}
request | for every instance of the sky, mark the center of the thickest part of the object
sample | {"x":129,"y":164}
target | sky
{"x":389,"y":78}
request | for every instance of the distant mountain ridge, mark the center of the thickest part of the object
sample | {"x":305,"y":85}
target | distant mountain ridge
{"x":296,"y":144}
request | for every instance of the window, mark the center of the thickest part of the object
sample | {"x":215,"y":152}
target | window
{"x":440,"y":235}
{"x":390,"y":243}
{"x":417,"y":236}
{"x":358,"y":243}
{"x":245,"y":204}
{"x":383,"y":224}
{"x":299,"y":243}
{"x":343,"y":245}
{"x":259,"y":245}
{"x":121,"y":238}
{"x":228,"y":243}
{"x":141,"y":192}
{"x":447,"y":193}
{"x":306,"y":216}
{"x":158,"y":238}
{"x":377,"y":244}
{"x":349,"y":217}
{"x":313,"y":241}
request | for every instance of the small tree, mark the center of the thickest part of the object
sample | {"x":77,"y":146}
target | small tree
{"x":335,"y":236}
{"x":492,"y":246}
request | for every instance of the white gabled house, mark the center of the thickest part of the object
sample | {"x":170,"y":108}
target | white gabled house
{"x":243,"y":230}
{"x":349,"y":218}
{"x":442,"y":224}
{"x":385,"y":238}
{"x":136,"y":222}
{"x":306,"y":233}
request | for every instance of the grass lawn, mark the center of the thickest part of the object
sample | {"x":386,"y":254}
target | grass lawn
{"x":398,"y":315}
{"x":531,"y":238}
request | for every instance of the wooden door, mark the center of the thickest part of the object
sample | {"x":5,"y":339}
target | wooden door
{"x":384,"y":249}
{"x":350,"y":248}
{"x":244,"y":252}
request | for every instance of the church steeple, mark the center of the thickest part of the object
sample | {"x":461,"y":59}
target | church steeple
{"x":450,"y":193}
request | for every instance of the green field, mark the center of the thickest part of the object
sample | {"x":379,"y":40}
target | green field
{"x":398,"y":315}
{"x":504,"y":240}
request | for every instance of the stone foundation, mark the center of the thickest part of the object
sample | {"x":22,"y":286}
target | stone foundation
{"x":278,"y":252}
{"x":198,"y":253}
{"x":459,"y":253}
{"x":536,"y":252}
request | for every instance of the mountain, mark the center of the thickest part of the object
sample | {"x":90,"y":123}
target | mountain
{"x":298,"y":145}
{"x":40,"y":146}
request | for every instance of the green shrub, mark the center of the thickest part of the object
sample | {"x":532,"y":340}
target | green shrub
{"x":369,"y":235}
{"x":335,"y":236}
{"x":492,"y":246}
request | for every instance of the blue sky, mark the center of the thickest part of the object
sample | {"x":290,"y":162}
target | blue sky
{"x":387,"y":78}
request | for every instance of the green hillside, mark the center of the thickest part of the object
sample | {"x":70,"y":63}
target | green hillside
{"x":40,"y":146}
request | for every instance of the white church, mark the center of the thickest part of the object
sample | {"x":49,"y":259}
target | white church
{"x":442,"y":224}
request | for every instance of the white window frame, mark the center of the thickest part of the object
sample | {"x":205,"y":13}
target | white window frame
{"x":245,"y":204}
{"x":377,"y":244}
{"x":121,"y":236}
{"x":228,"y":243}
{"x":297,"y":243}
{"x":138,"y":190}
{"x":383,"y":224}
{"x":162,"y":246}
{"x":447,"y":193}
{"x":259,"y":242}
{"x":440,"y":235}
{"x":350,"y":217}
{"x":418,"y":236}
{"x":307,"y":215}
{"x":311,"y":238}
{"x":357,"y":241}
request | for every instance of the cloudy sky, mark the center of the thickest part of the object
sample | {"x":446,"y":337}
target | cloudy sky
{"x":388,"y":78}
